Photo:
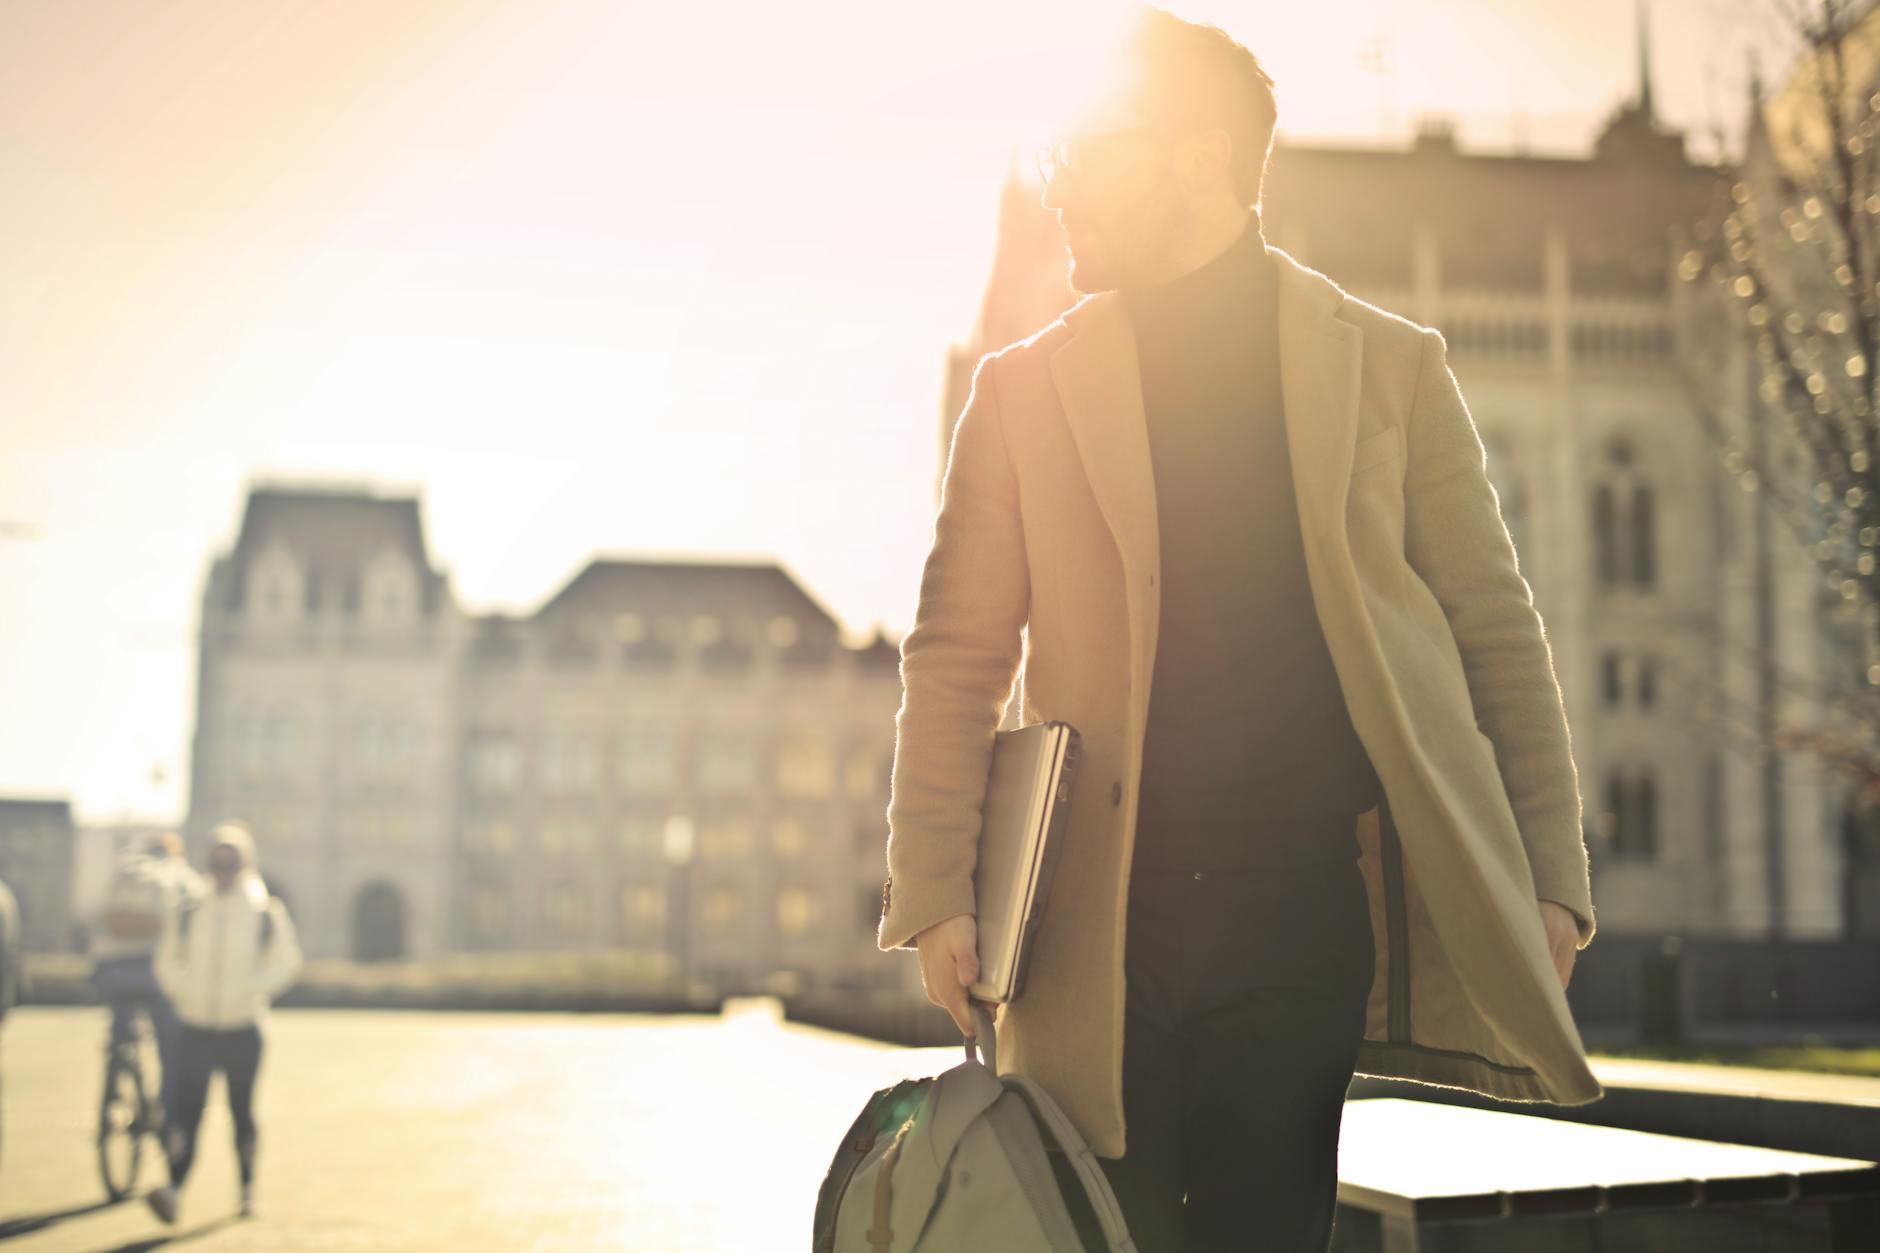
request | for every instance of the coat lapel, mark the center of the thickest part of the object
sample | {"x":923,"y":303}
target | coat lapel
{"x":1100,"y":388}
{"x":1320,"y":359}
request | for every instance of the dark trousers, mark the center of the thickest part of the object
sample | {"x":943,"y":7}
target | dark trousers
{"x":200,"y":1052}
{"x":129,"y":985}
{"x":1244,"y":1010}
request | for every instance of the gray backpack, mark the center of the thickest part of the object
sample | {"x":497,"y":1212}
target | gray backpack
{"x":957,"y":1163}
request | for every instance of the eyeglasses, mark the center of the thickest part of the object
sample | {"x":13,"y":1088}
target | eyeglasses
{"x":1073,"y":154}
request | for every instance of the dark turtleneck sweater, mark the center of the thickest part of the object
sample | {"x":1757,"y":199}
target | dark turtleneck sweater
{"x":1250,"y":757}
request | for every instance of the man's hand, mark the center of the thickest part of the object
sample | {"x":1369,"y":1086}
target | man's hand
{"x":949,"y":964}
{"x":1563,"y":938}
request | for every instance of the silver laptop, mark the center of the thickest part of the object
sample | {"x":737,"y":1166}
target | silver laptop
{"x":1028,"y":795}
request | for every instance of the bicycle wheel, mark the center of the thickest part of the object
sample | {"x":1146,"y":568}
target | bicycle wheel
{"x":122,"y":1123}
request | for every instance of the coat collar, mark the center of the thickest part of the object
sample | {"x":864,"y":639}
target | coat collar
{"x":1101,"y":391}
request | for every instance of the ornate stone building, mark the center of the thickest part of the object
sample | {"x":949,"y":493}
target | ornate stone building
{"x":1555,"y":280}
{"x":680,"y":759}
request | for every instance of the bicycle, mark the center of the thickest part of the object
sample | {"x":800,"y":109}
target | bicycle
{"x":127,"y":1112}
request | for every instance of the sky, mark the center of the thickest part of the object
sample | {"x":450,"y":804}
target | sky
{"x":587,"y":277}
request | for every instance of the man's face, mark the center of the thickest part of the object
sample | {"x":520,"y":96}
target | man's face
{"x":225,"y":863}
{"x":1123,"y":212}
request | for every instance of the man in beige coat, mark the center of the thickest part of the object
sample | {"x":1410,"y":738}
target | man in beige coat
{"x":1444,"y":719}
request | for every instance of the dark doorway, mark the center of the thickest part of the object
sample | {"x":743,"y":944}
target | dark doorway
{"x":378,"y":923}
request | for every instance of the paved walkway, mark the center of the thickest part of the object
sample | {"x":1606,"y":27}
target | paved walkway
{"x":387,"y":1130}
{"x":466,"y":1131}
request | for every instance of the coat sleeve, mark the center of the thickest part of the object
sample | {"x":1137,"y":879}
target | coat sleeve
{"x":282,"y":963}
{"x":958,"y":663}
{"x":1456,"y":541}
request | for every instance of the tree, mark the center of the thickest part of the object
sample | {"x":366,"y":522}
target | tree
{"x":1795,"y":257}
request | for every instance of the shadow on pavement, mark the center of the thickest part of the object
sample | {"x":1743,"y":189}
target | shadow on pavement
{"x":174,"y":1237}
{"x":26,"y":1224}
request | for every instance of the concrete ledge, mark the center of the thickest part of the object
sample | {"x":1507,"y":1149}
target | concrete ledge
{"x":1836,"y":1115}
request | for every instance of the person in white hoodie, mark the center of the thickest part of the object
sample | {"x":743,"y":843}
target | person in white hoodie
{"x":222,"y":959}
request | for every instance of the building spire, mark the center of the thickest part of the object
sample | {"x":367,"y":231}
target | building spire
{"x":1644,"y":64}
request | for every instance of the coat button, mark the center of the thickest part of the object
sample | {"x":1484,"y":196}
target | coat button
{"x":1116,"y":793}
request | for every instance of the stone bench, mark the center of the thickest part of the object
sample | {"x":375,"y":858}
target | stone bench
{"x":1423,"y":1177}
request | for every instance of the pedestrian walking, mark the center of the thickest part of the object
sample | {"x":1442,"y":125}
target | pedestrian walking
{"x":222,"y":959}
{"x":148,"y":884}
{"x":1234,"y":524}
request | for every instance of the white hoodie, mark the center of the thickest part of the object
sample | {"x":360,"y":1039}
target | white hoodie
{"x":214,"y":967}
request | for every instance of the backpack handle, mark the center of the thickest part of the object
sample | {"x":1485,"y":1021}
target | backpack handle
{"x":985,"y":1039}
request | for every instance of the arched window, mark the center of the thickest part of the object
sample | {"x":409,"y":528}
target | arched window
{"x":1644,"y":537}
{"x":1631,"y":814}
{"x":1605,"y":534}
{"x":389,"y":594}
{"x":1645,"y":817}
{"x":276,"y":587}
{"x":1625,"y":529}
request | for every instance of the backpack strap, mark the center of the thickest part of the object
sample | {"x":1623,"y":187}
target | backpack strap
{"x":1096,"y":1184}
{"x":1057,"y":1127}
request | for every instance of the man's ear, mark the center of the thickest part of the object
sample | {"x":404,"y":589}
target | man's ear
{"x":1205,"y":160}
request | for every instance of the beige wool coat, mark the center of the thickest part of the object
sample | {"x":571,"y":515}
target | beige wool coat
{"x":1043,"y":568}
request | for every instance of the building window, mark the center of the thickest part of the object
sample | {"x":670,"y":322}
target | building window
{"x":384,"y":749}
{"x":277,"y":589}
{"x":799,"y":911}
{"x":264,"y":747}
{"x":489,"y":913}
{"x":495,"y":762}
{"x":788,"y":837}
{"x":727,"y":763}
{"x":725,"y":837}
{"x":642,"y":836}
{"x":566,"y":837}
{"x":1611,"y":671}
{"x":723,"y":908}
{"x":865,"y":775}
{"x":390,"y":591}
{"x":566,"y":909}
{"x":1647,"y":681}
{"x":1630,"y":820}
{"x":1605,"y":535}
{"x":806,"y":766}
{"x":496,"y":836}
{"x":783,"y":632}
{"x":1625,"y":539}
{"x":648,"y":762}
{"x":642,"y":909}
{"x":566,"y":764}
{"x":384,"y":829}
{"x":1644,"y":537}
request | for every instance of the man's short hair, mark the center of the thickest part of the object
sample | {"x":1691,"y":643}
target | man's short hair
{"x":1198,"y":75}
